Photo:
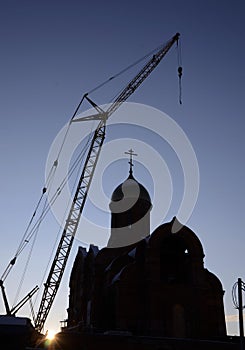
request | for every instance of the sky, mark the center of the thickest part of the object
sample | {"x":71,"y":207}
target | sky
{"x":52,"y":52}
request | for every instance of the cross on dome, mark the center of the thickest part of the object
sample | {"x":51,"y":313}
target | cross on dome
{"x":131,"y":154}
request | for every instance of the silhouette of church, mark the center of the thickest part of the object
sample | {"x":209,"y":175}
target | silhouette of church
{"x":145,"y":287}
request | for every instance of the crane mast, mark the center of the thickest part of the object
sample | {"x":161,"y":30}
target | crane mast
{"x":63,"y":250}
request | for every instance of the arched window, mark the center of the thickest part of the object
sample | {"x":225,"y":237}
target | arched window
{"x":175,"y":260}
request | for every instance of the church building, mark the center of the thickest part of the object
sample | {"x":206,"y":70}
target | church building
{"x":145,"y":285}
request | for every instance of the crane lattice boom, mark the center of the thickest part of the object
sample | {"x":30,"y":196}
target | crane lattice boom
{"x":58,"y":266}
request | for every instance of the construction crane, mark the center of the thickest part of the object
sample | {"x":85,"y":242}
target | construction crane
{"x":62,"y":253}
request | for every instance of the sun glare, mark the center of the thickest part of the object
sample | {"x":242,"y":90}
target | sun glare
{"x":50,"y":335}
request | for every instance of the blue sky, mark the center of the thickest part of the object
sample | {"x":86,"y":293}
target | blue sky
{"x":52,"y":52}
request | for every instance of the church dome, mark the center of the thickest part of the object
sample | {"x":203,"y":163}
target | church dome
{"x":130,"y":189}
{"x":130,"y":208}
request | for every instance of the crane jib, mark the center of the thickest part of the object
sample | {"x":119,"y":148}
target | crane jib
{"x":57,"y":268}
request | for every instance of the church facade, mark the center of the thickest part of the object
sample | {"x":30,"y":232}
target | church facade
{"x":144,"y":291}
{"x":145,"y":284}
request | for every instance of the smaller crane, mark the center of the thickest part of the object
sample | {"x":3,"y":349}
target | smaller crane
{"x":17,"y":307}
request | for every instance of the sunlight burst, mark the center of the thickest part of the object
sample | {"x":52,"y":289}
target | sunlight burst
{"x":51,"y":334}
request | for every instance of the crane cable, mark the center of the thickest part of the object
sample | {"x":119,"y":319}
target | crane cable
{"x":51,"y":174}
{"x":57,"y":192}
{"x":75,"y":164}
{"x":125,"y":69}
{"x":25,"y":270}
{"x":35,"y":233}
{"x":12,"y":262}
{"x":26,"y":237}
{"x":45,"y":210}
{"x":49,"y":178}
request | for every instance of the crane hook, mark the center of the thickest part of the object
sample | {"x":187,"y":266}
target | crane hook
{"x":180,"y":70}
